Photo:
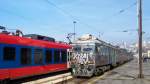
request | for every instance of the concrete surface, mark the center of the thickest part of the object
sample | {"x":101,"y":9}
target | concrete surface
{"x":125,"y":74}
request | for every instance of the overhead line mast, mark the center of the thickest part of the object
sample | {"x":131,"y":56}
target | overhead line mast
{"x":140,"y":38}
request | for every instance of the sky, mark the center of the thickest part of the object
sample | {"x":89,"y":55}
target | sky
{"x":55,"y":18}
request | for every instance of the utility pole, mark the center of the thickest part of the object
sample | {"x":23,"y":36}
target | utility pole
{"x":140,"y":75}
{"x":74,"y":23}
{"x":99,"y":35}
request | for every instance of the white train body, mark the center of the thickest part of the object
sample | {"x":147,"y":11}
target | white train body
{"x":93,"y":56}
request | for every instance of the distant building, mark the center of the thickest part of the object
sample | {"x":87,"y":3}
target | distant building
{"x":145,"y":51}
{"x":148,"y":52}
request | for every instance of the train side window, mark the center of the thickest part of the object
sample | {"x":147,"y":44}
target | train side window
{"x":102,"y":50}
{"x":56,"y":56}
{"x":25,"y":56}
{"x":9,"y":53}
{"x":105,"y":51}
{"x":48,"y":56}
{"x":96,"y":49}
{"x":64,"y":55}
{"x":38,"y":56}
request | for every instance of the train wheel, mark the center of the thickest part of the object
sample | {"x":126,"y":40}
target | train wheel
{"x":98,"y":72}
{"x":112,"y":66}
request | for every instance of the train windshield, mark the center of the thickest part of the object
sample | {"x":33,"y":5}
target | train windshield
{"x":77,"y":48}
{"x":83,"y":48}
{"x":88,"y":48}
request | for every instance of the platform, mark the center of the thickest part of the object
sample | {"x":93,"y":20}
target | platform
{"x":125,"y":74}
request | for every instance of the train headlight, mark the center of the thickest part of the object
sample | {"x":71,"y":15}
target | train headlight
{"x":90,"y":62}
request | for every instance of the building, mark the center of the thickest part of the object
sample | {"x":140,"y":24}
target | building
{"x":145,"y":51}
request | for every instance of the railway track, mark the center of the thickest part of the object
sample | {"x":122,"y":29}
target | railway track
{"x":78,"y":80}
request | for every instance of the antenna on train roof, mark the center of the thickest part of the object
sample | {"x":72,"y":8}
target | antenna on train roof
{"x":69,"y":36}
{"x":2,"y":28}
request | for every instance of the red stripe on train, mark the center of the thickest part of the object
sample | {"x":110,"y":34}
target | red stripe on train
{"x":8,"y":39}
{"x":32,"y":70}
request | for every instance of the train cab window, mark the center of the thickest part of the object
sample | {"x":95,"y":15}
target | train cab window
{"x":48,"y":56}
{"x":64,"y":55}
{"x":25,"y":56}
{"x":56,"y":56}
{"x":9,"y":53}
{"x":38,"y":56}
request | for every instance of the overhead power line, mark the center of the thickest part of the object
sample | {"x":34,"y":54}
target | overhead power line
{"x":73,"y":18}
{"x":123,"y":10}
{"x":120,"y":11}
{"x":62,"y":10}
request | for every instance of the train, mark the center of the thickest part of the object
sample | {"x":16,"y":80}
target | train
{"x":29,"y":55}
{"x":92,"y":56}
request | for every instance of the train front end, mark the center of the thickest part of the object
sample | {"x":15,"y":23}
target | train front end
{"x":83,"y":60}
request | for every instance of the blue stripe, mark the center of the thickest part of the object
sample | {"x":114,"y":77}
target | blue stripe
{"x":16,"y":63}
{"x":1,"y":52}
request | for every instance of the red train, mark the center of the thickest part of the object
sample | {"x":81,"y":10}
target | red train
{"x":23,"y":56}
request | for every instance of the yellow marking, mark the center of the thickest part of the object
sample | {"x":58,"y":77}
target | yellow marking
{"x":96,"y":79}
{"x":102,"y":77}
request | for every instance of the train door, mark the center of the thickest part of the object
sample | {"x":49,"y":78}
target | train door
{"x":69,"y":54}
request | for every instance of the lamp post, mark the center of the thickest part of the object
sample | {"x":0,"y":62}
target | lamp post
{"x":74,"y":23}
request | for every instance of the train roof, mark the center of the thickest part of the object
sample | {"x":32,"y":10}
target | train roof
{"x":10,"y":39}
{"x":39,"y":37}
{"x":90,"y":39}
